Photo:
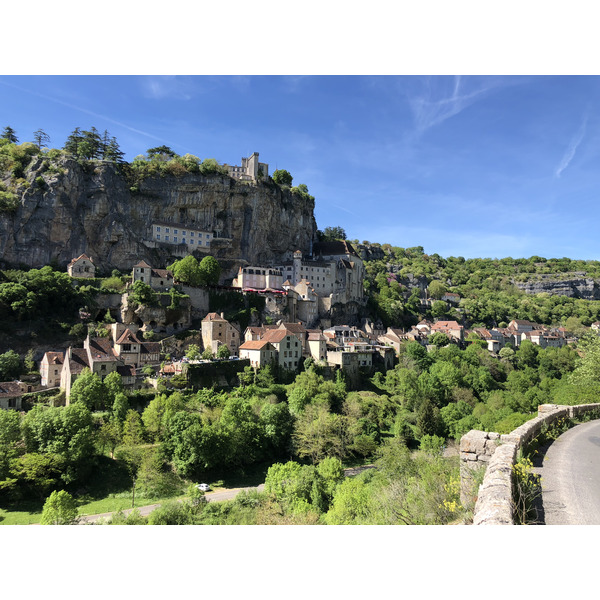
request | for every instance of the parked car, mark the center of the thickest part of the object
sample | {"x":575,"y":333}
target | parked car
{"x":203,"y":487}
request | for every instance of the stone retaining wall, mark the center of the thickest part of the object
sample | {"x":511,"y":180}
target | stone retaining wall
{"x":481,"y":449}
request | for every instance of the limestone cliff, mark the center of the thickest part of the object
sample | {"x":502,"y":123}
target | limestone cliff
{"x":69,"y":209}
{"x":575,"y":286}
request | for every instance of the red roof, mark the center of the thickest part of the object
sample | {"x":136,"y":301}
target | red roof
{"x":83,"y":256}
{"x":254,"y":345}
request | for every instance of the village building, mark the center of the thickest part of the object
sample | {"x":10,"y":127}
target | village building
{"x":317,"y":345}
{"x":251,"y":169}
{"x":304,"y":301}
{"x":159,"y":280}
{"x":259,"y":352}
{"x":133,"y":350}
{"x":521,"y":325}
{"x":451,"y":297}
{"x":451,"y":328}
{"x":288,"y":346}
{"x":51,"y":367}
{"x":11,"y":393}
{"x":75,"y":361}
{"x":300,"y":332}
{"x":334,"y":271}
{"x":259,"y":279}
{"x":167,"y":232}
{"x":344,"y":335}
{"x":216,"y":330}
{"x":393,"y":338}
{"x":82,"y":266}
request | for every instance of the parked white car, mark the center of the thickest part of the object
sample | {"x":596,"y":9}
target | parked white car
{"x":203,"y":487}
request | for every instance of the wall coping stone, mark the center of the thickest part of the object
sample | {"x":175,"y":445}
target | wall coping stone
{"x":494,"y":505}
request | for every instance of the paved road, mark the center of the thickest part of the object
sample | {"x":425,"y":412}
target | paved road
{"x":210,"y":497}
{"x":570,"y":472}
{"x":146,"y":510}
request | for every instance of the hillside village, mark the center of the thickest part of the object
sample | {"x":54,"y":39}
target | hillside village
{"x":302,"y":293}
{"x":313,"y":306}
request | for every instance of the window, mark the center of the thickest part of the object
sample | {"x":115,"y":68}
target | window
{"x":166,"y":238}
{"x":199,"y":235}
{"x":191,"y":234}
{"x":158,"y":229}
{"x":166,"y":230}
{"x":158,"y":236}
{"x":175,"y":239}
{"x":174,"y":230}
{"x":183,"y":240}
{"x":192,"y":242}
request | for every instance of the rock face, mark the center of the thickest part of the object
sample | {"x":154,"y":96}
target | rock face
{"x":91,"y":209}
{"x":575,"y":287}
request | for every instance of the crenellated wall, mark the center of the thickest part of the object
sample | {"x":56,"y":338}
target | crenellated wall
{"x":497,"y":454}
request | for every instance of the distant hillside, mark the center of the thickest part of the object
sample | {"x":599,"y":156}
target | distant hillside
{"x":491,"y":291}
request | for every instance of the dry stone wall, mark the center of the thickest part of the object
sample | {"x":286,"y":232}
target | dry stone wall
{"x":497,"y":454}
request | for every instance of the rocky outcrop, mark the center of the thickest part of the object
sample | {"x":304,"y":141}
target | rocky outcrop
{"x":576,"y":287}
{"x":72,"y":209}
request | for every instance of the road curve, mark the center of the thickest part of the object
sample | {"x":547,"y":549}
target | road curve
{"x":570,"y":473}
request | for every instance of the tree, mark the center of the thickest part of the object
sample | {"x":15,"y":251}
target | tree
{"x":8,"y":133}
{"x":331,"y":234}
{"x":187,"y":270}
{"x":162,"y":153}
{"x":210,"y":271}
{"x":282,"y":177}
{"x":10,"y":365}
{"x":89,"y":390}
{"x":143,"y":294}
{"x":436,"y":289}
{"x":59,"y":509}
{"x":223,"y":351}
{"x":193,"y":352}
{"x":110,"y":149}
{"x":208,"y":354}
{"x":439,"y":339}
{"x":73,"y":141}
{"x":41,"y":137}
{"x":114,"y":385}
{"x":90,"y":146}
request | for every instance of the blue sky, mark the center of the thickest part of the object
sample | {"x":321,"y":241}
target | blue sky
{"x":490,"y":166}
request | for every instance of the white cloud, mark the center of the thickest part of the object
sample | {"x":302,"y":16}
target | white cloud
{"x":435,"y":106}
{"x":572,"y":147}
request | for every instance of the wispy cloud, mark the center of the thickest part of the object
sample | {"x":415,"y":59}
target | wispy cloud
{"x":161,"y":87}
{"x":572,"y":147}
{"x":435,"y":107}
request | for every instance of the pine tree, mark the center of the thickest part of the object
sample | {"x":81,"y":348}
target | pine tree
{"x":73,"y":141}
{"x":41,"y":137}
{"x":8,"y":133}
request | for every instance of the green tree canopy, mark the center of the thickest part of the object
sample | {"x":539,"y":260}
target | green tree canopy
{"x":282,"y":177}
{"x":59,"y":509}
{"x":187,"y":270}
{"x":210,"y":271}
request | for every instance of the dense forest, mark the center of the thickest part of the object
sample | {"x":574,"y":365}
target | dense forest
{"x":489,"y":296}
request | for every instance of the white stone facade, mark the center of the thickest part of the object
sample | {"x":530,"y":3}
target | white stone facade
{"x":176,"y":233}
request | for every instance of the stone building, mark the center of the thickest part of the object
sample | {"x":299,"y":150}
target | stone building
{"x":288,"y":346}
{"x":166,"y":232}
{"x":334,"y":271}
{"x":159,"y":280}
{"x":51,"y":368}
{"x":82,"y":266}
{"x":258,"y":279}
{"x":259,"y":352}
{"x":216,"y":330}
{"x":251,"y":169}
